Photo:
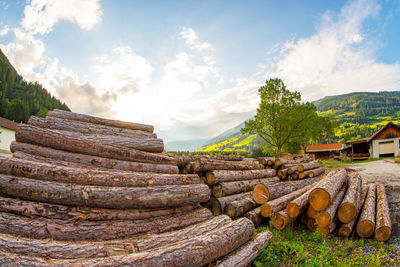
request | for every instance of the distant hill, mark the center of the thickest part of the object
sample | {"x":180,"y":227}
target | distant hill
{"x":20,"y":99}
{"x":359,"y":115}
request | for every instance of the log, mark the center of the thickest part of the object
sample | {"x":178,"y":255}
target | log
{"x":366,"y":223}
{"x":383,"y":228}
{"x":183,"y":160}
{"x":196,"y":251}
{"x":280,"y":220}
{"x":94,"y":161}
{"x":41,"y":228}
{"x":280,"y":161}
{"x":262,"y":193}
{"x":84,"y":176}
{"x":87,"y":127}
{"x":73,"y":143}
{"x":266,"y":160}
{"x":282,"y":173}
{"x":308,"y":166}
{"x":61,"y":212}
{"x":321,"y":197}
{"x":291,"y":169}
{"x":325,"y":217}
{"x":96,"y":120}
{"x":255,"y":216}
{"x":89,"y":249}
{"x":311,"y":212}
{"x":241,"y":206}
{"x":308,"y":222}
{"x":348,"y":208}
{"x":278,"y":204}
{"x":311,"y":173}
{"x":346,"y":229}
{"x":209,"y":165}
{"x":327,"y":230}
{"x":104,"y":196}
{"x":219,"y":176}
{"x":247,"y":253}
{"x":295,"y":175}
{"x":218,"y":205}
{"x":231,"y":188}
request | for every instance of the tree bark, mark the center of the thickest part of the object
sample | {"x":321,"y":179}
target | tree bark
{"x":73,"y":143}
{"x":325,"y":217}
{"x":231,"y":188}
{"x":262,"y":193}
{"x":218,"y":205}
{"x":383,"y":229}
{"x":88,"y":160}
{"x":266,"y":160}
{"x":209,"y":165}
{"x":41,"y":228}
{"x":239,"y":207}
{"x":311,"y":173}
{"x":280,"y":220}
{"x":247,"y":253}
{"x":104,"y":196}
{"x":278,"y":204}
{"x":279,"y":161}
{"x":219,"y":176}
{"x":255,"y":216}
{"x":308,"y":166}
{"x":366,"y":223}
{"x":348,"y":208}
{"x":96,"y":120}
{"x":321,"y":197}
{"x":183,"y":160}
{"x":196,"y":251}
{"x":87,"y":127}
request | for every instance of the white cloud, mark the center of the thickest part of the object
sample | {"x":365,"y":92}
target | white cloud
{"x":192,"y":40}
{"x":42,"y":15}
{"x":4,"y":31}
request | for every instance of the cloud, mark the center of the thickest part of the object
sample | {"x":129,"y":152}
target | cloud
{"x":337,"y":59}
{"x":192,"y":40}
{"x":42,"y":15}
{"x":4,"y":31}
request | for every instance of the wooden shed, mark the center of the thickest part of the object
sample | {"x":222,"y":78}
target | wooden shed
{"x":385,"y":142}
{"x":325,"y":151}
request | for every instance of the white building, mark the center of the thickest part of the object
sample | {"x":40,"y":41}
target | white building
{"x":7,"y":133}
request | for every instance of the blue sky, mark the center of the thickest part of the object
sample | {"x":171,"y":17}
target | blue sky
{"x":192,"y":68}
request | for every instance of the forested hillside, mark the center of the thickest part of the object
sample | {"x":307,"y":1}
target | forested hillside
{"x":20,"y":99}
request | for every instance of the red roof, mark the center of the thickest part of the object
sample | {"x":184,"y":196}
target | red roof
{"x":8,"y":124}
{"x":324,"y":147}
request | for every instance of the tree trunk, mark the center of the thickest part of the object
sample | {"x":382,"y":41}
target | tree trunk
{"x":348,"y":208}
{"x":218,"y":205}
{"x":327,"y":230}
{"x":280,"y":220}
{"x":61,"y":212}
{"x":308,"y":222}
{"x":366,"y":222}
{"x":231,"y":188}
{"x":209,"y":165}
{"x":325,"y":217}
{"x":183,"y":160}
{"x":308,"y":166}
{"x":74,"y":143}
{"x":196,"y":251}
{"x":219,"y":176}
{"x":96,"y":120}
{"x":262,"y":193}
{"x":266,"y":160}
{"x":321,"y":197}
{"x":104,"y":196}
{"x":292,"y":169}
{"x":283,"y":173}
{"x":269,"y":208}
{"x":87,"y":127}
{"x":346,"y":229}
{"x":239,"y":207}
{"x":93,"y":161}
{"x":383,"y":224}
{"x":84,"y":176}
{"x":96,"y":230}
{"x":247,"y":253}
{"x":255,"y":216}
{"x":311,"y":212}
{"x":311,"y":173}
{"x":280,"y":161}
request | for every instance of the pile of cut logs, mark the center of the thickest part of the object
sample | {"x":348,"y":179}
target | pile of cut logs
{"x":81,"y":190}
{"x":338,"y":199}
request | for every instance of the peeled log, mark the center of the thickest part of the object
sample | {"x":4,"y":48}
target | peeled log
{"x":73,"y":143}
{"x":219,"y":176}
{"x":308,"y":166}
{"x":96,"y":120}
{"x":87,"y":127}
{"x":93,"y":161}
{"x":104,"y":196}
{"x":61,"y":212}
{"x":311,"y":173}
{"x":41,"y":228}
{"x":255,"y":216}
{"x":267,"y":209}
{"x":197,"y":251}
{"x":231,"y":188}
{"x":346,"y":229}
{"x":247,"y":253}
{"x":366,"y":222}
{"x":321,"y":197}
{"x":218,"y":205}
{"x":209,"y":165}
{"x":325,"y":217}
{"x":383,"y":224}
{"x":280,"y":220}
{"x":262,"y":193}
{"x":89,"y":249}
{"x":348,"y":208}
{"x":241,"y":206}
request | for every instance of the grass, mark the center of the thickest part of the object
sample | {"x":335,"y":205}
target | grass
{"x":338,"y":162}
{"x":304,"y":248}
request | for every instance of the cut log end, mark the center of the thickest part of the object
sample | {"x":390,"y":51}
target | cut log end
{"x":347,"y":212}
{"x":344,"y":231}
{"x":319,"y":199}
{"x":324,"y":231}
{"x":383,"y":233}
{"x":210,"y":178}
{"x":323,"y":219}
{"x":365,"y":229}
{"x":292,"y":209}
{"x":260,"y":194}
{"x":280,"y":220}
{"x":311,"y":212}
{"x":266,"y":210}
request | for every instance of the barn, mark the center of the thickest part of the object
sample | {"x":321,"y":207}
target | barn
{"x":385,"y":142}
{"x":7,"y":134}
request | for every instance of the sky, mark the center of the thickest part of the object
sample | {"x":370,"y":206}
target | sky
{"x":192,"y":68}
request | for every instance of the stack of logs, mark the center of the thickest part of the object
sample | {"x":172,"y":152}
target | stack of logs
{"x":81,"y":190}
{"x":338,"y":199}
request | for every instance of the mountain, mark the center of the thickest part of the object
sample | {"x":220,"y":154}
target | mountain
{"x":359,"y":115}
{"x":20,"y":99}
